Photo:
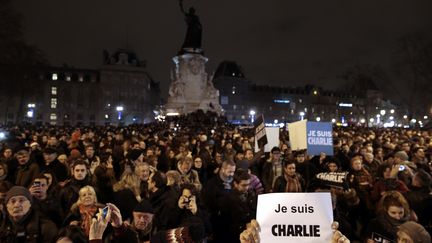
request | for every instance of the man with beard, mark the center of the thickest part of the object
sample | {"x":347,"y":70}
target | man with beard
{"x":70,"y":192}
{"x":238,"y":207}
{"x":218,"y":187}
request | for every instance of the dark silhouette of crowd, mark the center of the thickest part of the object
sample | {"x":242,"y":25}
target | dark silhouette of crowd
{"x":195,"y":178}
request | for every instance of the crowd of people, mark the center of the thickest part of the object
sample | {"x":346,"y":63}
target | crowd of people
{"x":196,"y":178}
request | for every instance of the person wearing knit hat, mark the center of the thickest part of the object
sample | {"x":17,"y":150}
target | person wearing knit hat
{"x":18,"y":191}
{"x":412,"y":232}
{"x":22,"y":223}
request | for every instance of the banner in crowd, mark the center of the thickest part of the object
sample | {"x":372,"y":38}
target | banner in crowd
{"x":297,"y":135}
{"x":260,"y":131}
{"x":334,"y":179}
{"x":295,"y":217}
{"x":316,"y":137}
{"x":319,"y":138}
{"x":272,"y":134}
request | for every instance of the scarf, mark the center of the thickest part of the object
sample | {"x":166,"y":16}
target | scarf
{"x":87,"y":213}
{"x":293,"y":184}
{"x":226,"y":181}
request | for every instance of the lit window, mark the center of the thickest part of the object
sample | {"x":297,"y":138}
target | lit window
{"x":53,"y":103}
{"x":54,"y":76}
{"x":53,"y":116}
{"x":68,"y":78}
{"x":54,"y":90}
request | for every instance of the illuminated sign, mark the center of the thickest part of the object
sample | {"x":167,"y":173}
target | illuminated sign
{"x":345,"y":104}
{"x":281,"y":101}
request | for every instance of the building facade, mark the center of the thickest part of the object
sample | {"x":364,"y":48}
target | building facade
{"x":121,"y":92}
{"x":242,"y":101}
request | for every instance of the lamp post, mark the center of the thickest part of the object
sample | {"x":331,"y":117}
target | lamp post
{"x":252,"y":115}
{"x":119,"y":110}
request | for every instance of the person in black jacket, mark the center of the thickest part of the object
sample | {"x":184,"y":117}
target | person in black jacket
{"x":237,"y":208}
{"x":23,"y":223}
{"x":52,"y":164}
{"x":70,"y":192}
{"x":188,"y":208}
{"x":46,"y":203}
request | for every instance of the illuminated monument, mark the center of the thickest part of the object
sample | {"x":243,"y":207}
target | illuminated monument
{"x":191,"y":87}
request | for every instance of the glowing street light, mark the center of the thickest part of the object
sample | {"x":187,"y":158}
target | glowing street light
{"x":119,"y":110}
{"x":302,"y":115}
{"x":318,"y":119}
{"x":252,"y":114}
{"x":382,"y":112}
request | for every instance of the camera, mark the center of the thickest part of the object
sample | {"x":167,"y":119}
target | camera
{"x":104,"y":211}
{"x":186,"y":200}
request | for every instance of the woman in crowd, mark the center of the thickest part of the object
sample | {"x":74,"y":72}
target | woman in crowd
{"x":198,"y":166}
{"x":387,"y":181}
{"x":127,"y":193}
{"x":392,"y":211}
{"x":83,"y":210}
{"x":188,"y":175}
{"x":290,"y":181}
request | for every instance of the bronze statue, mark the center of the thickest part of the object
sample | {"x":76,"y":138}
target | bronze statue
{"x":194,"y":28}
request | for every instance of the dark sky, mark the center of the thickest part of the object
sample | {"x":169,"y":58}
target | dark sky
{"x":277,"y":42}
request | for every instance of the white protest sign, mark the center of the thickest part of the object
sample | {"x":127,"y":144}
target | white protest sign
{"x":272,"y":134}
{"x":297,"y":135}
{"x":295,"y":217}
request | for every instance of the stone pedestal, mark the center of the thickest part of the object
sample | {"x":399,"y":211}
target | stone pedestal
{"x":191,"y":88}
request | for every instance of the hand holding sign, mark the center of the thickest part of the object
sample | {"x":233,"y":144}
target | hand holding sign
{"x":251,"y":233}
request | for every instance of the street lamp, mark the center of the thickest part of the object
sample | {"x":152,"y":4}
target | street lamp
{"x":252,"y":114}
{"x":382,"y":112}
{"x":302,"y":115}
{"x":119,"y":110}
{"x":318,"y":119}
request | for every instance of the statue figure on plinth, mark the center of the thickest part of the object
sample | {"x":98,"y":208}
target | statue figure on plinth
{"x":194,"y":29}
{"x":177,"y":87}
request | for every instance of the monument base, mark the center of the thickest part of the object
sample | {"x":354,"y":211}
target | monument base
{"x":191,"y":89}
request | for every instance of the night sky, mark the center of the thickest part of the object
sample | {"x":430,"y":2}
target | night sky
{"x":278,"y":42}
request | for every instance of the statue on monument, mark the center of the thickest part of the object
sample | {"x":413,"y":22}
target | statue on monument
{"x":194,"y":28}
